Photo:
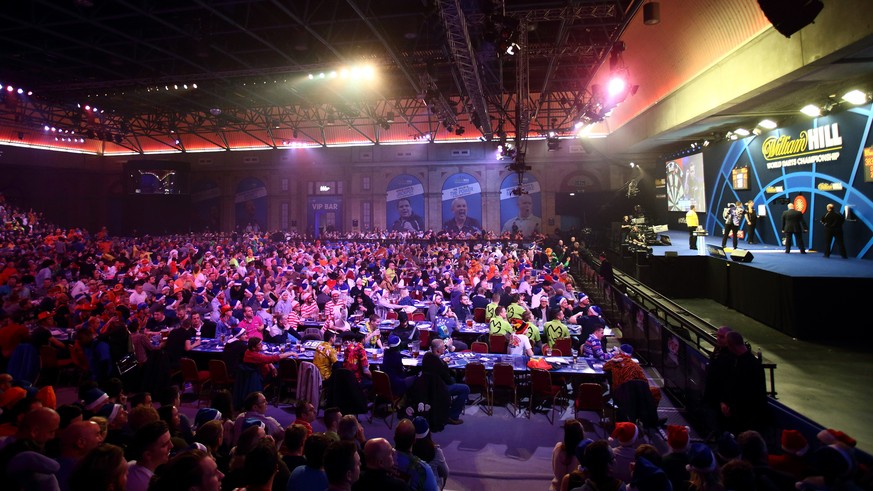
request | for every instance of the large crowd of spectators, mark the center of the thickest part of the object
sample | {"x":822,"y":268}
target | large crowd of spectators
{"x":102,"y":304}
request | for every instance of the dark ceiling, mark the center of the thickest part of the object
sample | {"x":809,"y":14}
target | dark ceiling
{"x":441,"y":66}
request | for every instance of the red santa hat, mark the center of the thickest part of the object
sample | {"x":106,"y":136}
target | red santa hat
{"x":625,"y":433}
{"x":794,"y":443}
{"x":831,"y":436}
{"x":677,"y":437}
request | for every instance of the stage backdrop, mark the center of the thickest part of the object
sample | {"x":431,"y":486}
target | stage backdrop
{"x":405,"y":204}
{"x":462,"y":204}
{"x":811,"y":163}
{"x":521,"y":212}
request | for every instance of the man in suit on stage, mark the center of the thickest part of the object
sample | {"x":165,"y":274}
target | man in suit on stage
{"x":833,"y":225}
{"x":792,"y":225}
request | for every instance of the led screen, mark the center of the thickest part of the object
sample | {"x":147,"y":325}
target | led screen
{"x":685,"y":185}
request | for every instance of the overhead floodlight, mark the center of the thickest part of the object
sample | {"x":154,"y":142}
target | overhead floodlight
{"x":767,"y":124}
{"x":513,"y":49}
{"x":811,"y":110}
{"x":742,"y":132}
{"x":616,"y":86}
{"x":856,"y":97}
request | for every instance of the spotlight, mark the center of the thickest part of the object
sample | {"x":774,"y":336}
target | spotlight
{"x":855,"y":97}
{"x":553,"y":144}
{"x":811,"y":110}
{"x":459,"y":130}
{"x":389,"y":116}
{"x":616,"y":86}
{"x":767,"y":124}
{"x":741,"y":132}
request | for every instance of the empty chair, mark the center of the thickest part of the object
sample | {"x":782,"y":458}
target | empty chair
{"x":286,"y":379}
{"x":497,"y":343}
{"x":479,"y":315}
{"x":476,"y":378}
{"x":53,"y":368}
{"x":424,"y":338}
{"x":542,"y":389}
{"x":392,"y":315}
{"x":220,"y":377}
{"x":503,"y":380}
{"x":197,"y":378}
{"x":479,"y":347}
{"x":590,"y":397}
{"x":384,"y":401}
{"x":417,"y":316}
{"x":565,"y":345}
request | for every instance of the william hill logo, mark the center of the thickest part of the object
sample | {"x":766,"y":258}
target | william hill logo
{"x":814,"y":140}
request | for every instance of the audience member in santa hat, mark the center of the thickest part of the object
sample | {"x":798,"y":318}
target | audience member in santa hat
{"x":792,"y":460}
{"x":703,"y":469}
{"x":648,"y":477}
{"x":676,"y":459}
{"x":626,"y":436}
{"x":831,"y":436}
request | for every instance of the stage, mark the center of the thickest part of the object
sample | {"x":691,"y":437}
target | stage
{"x":804,"y":295}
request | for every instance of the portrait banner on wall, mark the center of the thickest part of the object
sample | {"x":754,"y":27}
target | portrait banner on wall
{"x":520,"y":206}
{"x":462,"y":204}
{"x":206,"y":206}
{"x":324,"y":214}
{"x":405,"y":204}
{"x":251,"y":205}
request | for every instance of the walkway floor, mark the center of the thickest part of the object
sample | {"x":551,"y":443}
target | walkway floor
{"x":829,"y":384}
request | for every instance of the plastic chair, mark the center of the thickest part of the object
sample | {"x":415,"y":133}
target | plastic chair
{"x":197,"y":378}
{"x":384,"y":398}
{"x":565,"y":345}
{"x":542,"y":389}
{"x":479,"y":347}
{"x":590,"y":397}
{"x":503,"y":379}
{"x":220,"y":377}
{"x":476,"y":378}
{"x":417,"y":316}
{"x":497,"y":343}
{"x":479,"y":315}
{"x":286,"y":379}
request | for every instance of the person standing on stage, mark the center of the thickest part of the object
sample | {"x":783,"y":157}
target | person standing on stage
{"x":833,"y":225}
{"x":692,"y":222}
{"x":732,"y":220}
{"x":792,"y":225}
{"x":751,"y":221}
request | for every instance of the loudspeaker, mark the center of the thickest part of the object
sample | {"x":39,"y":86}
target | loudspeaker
{"x":790,"y":16}
{"x":354,"y":222}
{"x":716,"y":251}
{"x":651,"y":13}
{"x":665,"y":239}
{"x":741,"y":256}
